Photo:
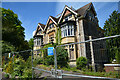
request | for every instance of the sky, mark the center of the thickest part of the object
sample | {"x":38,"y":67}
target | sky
{"x":31,"y":13}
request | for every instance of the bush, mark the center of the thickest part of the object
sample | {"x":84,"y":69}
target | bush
{"x":62,"y":56}
{"x":81,"y":62}
{"x":49,"y":60}
{"x":37,"y":61}
{"x":6,"y":75}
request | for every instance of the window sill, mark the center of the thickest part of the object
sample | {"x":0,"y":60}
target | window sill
{"x":68,"y":36}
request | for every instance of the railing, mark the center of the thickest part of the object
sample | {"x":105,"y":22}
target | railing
{"x":94,"y":50}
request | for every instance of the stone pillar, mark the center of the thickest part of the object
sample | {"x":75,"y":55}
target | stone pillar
{"x":78,"y":37}
{"x":68,"y":51}
{"x":82,"y":35}
{"x":74,"y":52}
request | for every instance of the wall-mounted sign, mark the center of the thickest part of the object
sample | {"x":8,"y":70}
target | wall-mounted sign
{"x":50,"y":51}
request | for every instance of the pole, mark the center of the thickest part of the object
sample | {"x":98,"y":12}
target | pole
{"x":32,"y":63}
{"x":55,"y":62}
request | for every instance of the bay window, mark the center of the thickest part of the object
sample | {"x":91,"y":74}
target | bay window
{"x":67,"y":30}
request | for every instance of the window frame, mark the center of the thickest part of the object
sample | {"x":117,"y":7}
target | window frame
{"x":67,"y":30}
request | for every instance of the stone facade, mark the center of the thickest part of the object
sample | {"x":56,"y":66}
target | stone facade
{"x":76,"y":26}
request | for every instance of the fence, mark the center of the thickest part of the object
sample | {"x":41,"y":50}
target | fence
{"x":94,"y":49}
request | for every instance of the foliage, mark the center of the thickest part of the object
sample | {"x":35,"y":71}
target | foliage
{"x":31,"y":43}
{"x":62,"y":56}
{"x":6,"y":75}
{"x":49,"y":60}
{"x":45,"y":50}
{"x":13,"y":32}
{"x":9,"y":67}
{"x":19,"y":68}
{"x":58,"y":36}
{"x":7,"y":47}
{"x":19,"y":65}
{"x":81,"y":62}
{"x":112,"y":27}
{"x":38,"y":61}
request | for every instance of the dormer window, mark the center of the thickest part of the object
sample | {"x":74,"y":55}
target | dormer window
{"x":67,"y":17}
{"x":40,"y":31}
{"x":51,"y":26}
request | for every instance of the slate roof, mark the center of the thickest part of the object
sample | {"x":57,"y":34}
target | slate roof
{"x":81,"y":11}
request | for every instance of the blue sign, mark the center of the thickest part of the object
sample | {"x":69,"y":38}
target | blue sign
{"x":50,"y":51}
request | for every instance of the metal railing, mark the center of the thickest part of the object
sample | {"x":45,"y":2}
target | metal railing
{"x":54,"y":72}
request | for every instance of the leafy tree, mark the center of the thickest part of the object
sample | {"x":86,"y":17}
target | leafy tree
{"x":12,"y":31}
{"x":7,"y":47}
{"x":31,"y":43}
{"x":112,"y":27}
{"x":13,"y":34}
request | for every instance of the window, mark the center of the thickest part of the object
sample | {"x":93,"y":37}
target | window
{"x":67,"y":30}
{"x":40,"y":31}
{"x":37,"y":42}
{"x":71,"y":53}
{"x":67,"y":17}
{"x":51,"y":38}
{"x":51,"y":26}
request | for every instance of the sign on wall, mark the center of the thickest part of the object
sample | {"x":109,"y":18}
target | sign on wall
{"x":50,"y":51}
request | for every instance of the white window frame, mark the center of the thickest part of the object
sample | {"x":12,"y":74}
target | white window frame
{"x":64,"y":30}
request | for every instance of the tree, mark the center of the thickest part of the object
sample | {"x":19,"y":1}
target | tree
{"x":31,"y":43}
{"x":12,"y":31}
{"x":112,"y":27}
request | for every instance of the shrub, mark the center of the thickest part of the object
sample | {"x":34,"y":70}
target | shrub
{"x":81,"y":62}
{"x":6,"y":75}
{"x":49,"y":60}
{"x":37,"y":61}
{"x":62,"y":57}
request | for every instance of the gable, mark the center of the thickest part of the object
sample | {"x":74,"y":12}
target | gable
{"x":50,"y":22}
{"x":67,"y":12}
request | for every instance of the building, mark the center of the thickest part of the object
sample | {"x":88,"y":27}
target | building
{"x":71,"y":26}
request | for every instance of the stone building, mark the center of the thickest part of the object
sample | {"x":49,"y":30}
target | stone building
{"x":75,"y":26}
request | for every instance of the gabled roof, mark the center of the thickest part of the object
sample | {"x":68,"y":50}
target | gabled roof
{"x":83,"y":10}
{"x":79,"y":12}
{"x":55,"y":20}
{"x":41,"y":25}
{"x":70,"y":9}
